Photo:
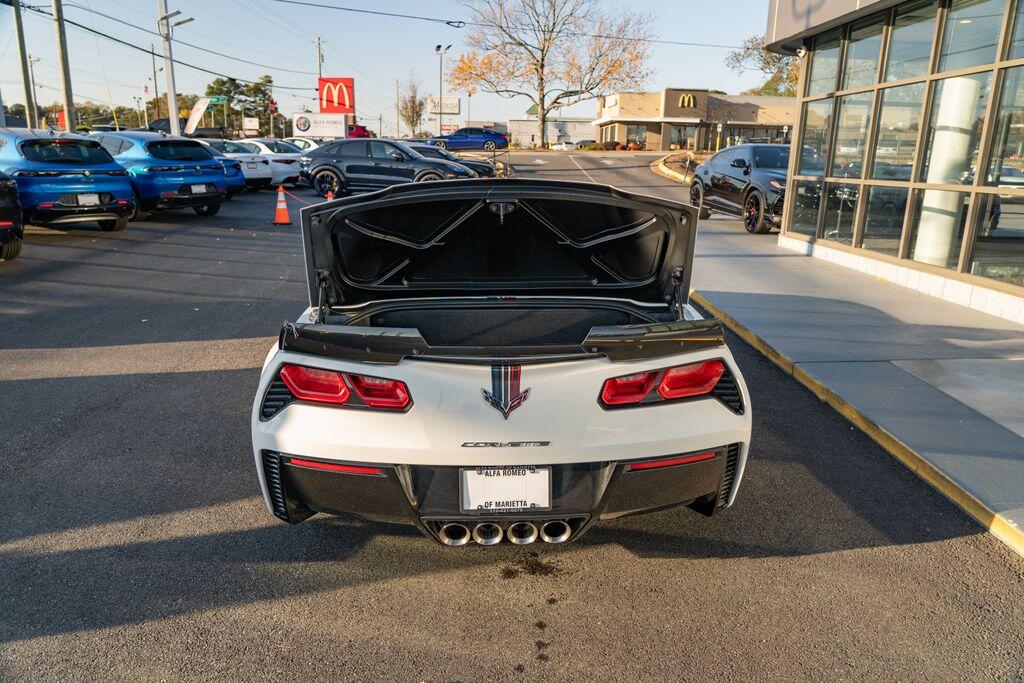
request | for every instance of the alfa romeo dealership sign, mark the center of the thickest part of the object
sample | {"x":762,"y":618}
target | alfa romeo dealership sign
{"x":311,"y":125}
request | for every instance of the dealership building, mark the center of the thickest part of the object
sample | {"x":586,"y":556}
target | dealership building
{"x":692,"y":119}
{"x":910,"y":123}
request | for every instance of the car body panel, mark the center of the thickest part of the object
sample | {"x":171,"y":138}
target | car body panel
{"x":174,"y":187}
{"x":11,"y":227}
{"x":49,"y":190}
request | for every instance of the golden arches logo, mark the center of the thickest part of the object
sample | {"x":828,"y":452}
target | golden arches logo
{"x":687,"y":101}
{"x":331,"y":90}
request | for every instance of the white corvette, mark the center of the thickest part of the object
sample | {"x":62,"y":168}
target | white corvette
{"x":499,"y":361}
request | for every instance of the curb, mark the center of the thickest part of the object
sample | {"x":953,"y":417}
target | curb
{"x":659,"y":167}
{"x":996,"y":524}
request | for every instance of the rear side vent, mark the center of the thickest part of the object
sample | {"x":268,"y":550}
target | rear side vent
{"x":728,"y":393}
{"x":272,"y":472}
{"x":277,"y":397}
{"x":732,"y":458}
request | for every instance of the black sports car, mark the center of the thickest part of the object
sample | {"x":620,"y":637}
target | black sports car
{"x":361,"y":164}
{"x":747,"y":181}
{"x":11,"y":228}
{"x":483,"y":168}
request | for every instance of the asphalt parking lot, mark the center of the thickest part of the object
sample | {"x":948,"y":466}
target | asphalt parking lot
{"x":135,"y":545}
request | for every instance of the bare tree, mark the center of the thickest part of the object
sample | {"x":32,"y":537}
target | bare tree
{"x":411,"y":106}
{"x":553,"y":52}
{"x":781,"y":70}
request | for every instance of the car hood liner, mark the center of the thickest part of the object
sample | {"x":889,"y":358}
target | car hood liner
{"x":503,"y":237}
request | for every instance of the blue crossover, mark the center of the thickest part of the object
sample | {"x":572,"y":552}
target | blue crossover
{"x":168,"y":172}
{"x":65,"y":178}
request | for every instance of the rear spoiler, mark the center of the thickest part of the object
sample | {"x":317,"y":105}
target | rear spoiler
{"x":391,"y":345}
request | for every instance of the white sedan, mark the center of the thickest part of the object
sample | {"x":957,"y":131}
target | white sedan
{"x":499,"y":361}
{"x":283,"y":157}
{"x":255,"y":168}
{"x":305,"y":144}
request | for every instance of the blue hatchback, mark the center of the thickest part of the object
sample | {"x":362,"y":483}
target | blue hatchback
{"x":65,"y":178}
{"x":471,"y":138}
{"x":168,"y":172}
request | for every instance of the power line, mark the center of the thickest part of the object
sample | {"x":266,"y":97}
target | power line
{"x":149,"y":52}
{"x":460,"y":23}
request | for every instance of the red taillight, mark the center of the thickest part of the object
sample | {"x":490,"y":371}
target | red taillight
{"x":628,"y":389}
{"x":669,"y":462}
{"x":6,"y":224}
{"x":378,"y":392}
{"x":313,"y":384}
{"x":46,"y":205}
{"x":682,"y":381}
{"x":168,"y":194}
{"x":122,"y":202}
{"x":334,"y":467}
{"x":345,"y":388}
{"x":691,"y":380}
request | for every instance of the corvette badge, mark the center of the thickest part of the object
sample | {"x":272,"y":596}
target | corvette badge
{"x":505,"y":395}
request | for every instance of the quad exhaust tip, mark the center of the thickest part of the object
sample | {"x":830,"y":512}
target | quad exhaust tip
{"x":454,"y":534}
{"x":522,"y":533}
{"x":488,"y":533}
{"x":555,"y":531}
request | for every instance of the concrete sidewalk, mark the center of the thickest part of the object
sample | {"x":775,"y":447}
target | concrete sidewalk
{"x":938,"y":385}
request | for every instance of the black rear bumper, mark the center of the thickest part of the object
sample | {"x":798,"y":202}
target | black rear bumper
{"x":428,"y":496}
{"x":58,"y":214}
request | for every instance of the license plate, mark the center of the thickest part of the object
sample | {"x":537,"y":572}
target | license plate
{"x":199,"y":189}
{"x":90,"y":199}
{"x":506,"y":489}
{"x":250,"y":164}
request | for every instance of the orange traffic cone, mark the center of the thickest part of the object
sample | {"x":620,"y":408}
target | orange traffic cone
{"x":330,"y":195}
{"x":281,"y":214}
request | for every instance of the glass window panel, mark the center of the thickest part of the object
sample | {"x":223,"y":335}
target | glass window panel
{"x":1006,"y":167}
{"x":937,"y":227}
{"x":805,"y":196}
{"x":862,"y":50}
{"x":840,"y":209}
{"x":816,"y":121}
{"x":910,"y":44}
{"x":999,"y":242}
{"x":883,"y":221}
{"x":824,"y":64}
{"x":1017,"y":38}
{"x":971,"y":32}
{"x":899,"y":119}
{"x":853,"y":115}
{"x":954,"y":129}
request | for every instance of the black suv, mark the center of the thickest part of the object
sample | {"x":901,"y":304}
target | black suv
{"x":363,"y":164}
{"x":748,"y":181}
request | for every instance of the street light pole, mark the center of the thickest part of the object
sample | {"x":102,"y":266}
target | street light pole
{"x":440,"y":85}
{"x":165,"y":29}
{"x":156,"y":86}
{"x":32,"y":83}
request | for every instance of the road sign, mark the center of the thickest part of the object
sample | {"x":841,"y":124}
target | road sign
{"x":719,"y":128}
{"x":251,"y":123}
{"x":218,"y":99}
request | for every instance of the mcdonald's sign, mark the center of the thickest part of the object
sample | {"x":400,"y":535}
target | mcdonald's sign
{"x":687,"y":101}
{"x":337,"y":95}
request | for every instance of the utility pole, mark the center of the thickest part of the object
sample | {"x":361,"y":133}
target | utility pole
{"x":3,"y":117}
{"x":26,"y":82}
{"x":319,"y":59}
{"x":165,"y":29}
{"x":380,"y":125}
{"x":398,"y":131}
{"x":156,"y":88}
{"x":65,"y":70}
{"x":440,"y":86}
{"x":32,"y":83}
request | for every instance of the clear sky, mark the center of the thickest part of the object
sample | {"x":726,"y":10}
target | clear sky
{"x":375,"y":50}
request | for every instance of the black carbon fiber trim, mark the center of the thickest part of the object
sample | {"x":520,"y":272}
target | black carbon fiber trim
{"x":274,"y":401}
{"x":732,"y":459}
{"x":272,"y":473}
{"x":728,"y":392}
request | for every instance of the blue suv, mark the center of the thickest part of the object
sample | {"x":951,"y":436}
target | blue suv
{"x":65,"y":178}
{"x":168,"y":172}
{"x":471,"y":138}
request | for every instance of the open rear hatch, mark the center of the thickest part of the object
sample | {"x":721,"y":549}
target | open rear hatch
{"x":611,"y":265}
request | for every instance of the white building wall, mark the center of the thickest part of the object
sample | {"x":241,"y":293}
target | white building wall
{"x":523,"y":132}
